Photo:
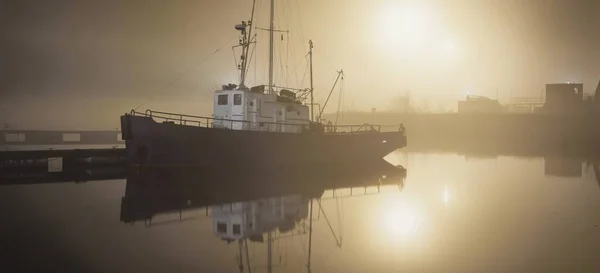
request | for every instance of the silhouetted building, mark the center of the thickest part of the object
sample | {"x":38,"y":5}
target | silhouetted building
{"x":563,"y":97}
{"x":478,"y":104}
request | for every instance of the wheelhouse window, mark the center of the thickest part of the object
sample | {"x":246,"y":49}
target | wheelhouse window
{"x":237,"y":229}
{"x":221,"y":227}
{"x":222,"y":99}
{"x":237,"y":99}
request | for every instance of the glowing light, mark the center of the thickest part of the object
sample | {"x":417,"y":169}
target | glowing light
{"x":405,"y":25}
{"x":449,"y":50}
{"x":399,"y":219}
{"x":446,"y":195}
{"x":449,"y":47}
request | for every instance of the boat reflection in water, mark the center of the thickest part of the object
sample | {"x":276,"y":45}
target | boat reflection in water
{"x":248,"y":204}
{"x":151,"y":192}
{"x":252,"y":219}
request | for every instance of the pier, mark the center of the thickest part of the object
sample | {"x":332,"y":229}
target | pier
{"x":66,"y":137}
{"x":47,"y":166}
{"x":59,"y":165}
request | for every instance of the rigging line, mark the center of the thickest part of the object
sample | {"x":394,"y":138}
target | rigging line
{"x":247,"y":256}
{"x":305,"y":60}
{"x":287,"y":37}
{"x":281,"y":62}
{"x":340,"y":73}
{"x":304,"y":76}
{"x":250,"y":61}
{"x":301,"y":28}
{"x":277,"y":61}
{"x":281,"y":25}
{"x":287,"y":57}
{"x":338,"y":242}
{"x":185,"y":72}
{"x":265,"y":68}
{"x":294,"y":61}
{"x":276,"y":50}
{"x":294,"y":73}
{"x":338,"y":204}
{"x":251,"y":54}
{"x":239,"y":74}
{"x":337,"y":112}
{"x":240,"y":260}
{"x":343,"y":92}
{"x":340,"y":96}
{"x":255,"y":72}
{"x":298,"y":63}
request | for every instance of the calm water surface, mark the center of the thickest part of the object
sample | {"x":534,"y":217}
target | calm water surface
{"x":452,"y":213}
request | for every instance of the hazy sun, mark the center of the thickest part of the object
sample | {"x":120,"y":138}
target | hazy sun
{"x":404,"y":25}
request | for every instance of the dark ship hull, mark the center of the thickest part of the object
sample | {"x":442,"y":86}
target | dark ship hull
{"x":168,"y":144}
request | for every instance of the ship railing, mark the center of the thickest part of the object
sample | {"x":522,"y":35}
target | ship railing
{"x":364,"y":128}
{"x":210,"y":122}
{"x":329,"y":128}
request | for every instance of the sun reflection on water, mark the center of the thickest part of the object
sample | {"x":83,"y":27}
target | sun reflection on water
{"x":399,"y":218}
{"x":446,"y":195}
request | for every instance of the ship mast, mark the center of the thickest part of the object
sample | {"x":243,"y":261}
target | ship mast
{"x":245,"y":41}
{"x":312,"y":89}
{"x":308,"y":268}
{"x":271,"y":39}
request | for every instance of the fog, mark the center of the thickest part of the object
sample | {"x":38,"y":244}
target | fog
{"x":82,"y":63}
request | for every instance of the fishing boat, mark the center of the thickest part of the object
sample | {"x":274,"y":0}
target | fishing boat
{"x":260,"y":125}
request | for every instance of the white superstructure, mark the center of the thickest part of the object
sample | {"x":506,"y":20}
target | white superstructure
{"x":253,"y":219}
{"x":255,"y":110}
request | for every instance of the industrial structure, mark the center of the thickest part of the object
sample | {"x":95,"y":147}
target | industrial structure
{"x":560,"y":98}
{"x":563,"y":98}
{"x":479,"y":104}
